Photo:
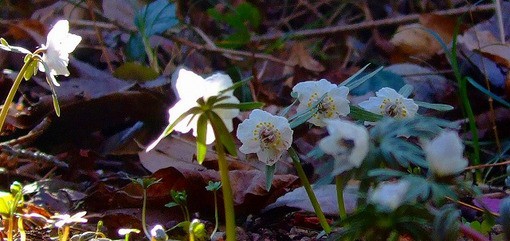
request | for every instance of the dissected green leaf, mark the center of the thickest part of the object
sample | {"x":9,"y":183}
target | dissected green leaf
{"x":241,"y":106}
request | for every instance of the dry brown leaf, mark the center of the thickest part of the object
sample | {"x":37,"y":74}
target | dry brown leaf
{"x":414,"y":40}
{"x":299,"y":56}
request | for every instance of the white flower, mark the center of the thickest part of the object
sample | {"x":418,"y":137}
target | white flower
{"x":191,"y":87}
{"x":64,"y":219}
{"x":265,"y":134}
{"x":445,"y":154}
{"x":347,"y":142}
{"x":158,"y":233}
{"x":389,"y":195}
{"x":333,"y":105}
{"x":59,"y":44}
{"x":388,"y":102}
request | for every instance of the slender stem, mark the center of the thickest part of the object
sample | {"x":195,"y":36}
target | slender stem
{"x":463,"y":93}
{"x":144,"y":207}
{"x":308,"y":188}
{"x":228,"y":198}
{"x":10,"y":228}
{"x":215,"y":215}
{"x":65,"y":233}
{"x":339,"y":182}
{"x":12,"y":92}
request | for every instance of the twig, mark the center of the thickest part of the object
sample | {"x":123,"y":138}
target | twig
{"x":230,"y":51}
{"x":368,"y":24}
{"x":35,"y":155}
{"x":487,"y":165}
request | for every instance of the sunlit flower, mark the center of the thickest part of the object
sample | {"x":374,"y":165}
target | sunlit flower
{"x":158,"y":233}
{"x":65,"y":219}
{"x":389,"y":195}
{"x":333,"y":105}
{"x":388,"y":102}
{"x":59,"y":44}
{"x":445,"y":154}
{"x":347,"y":143}
{"x":265,"y":134}
{"x":191,"y":87}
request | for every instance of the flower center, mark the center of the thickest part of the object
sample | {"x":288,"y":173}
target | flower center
{"x":267,"y":135}
{"x":393,"y":109}
{"x":325,"y":108}
{"x":345,"y":147}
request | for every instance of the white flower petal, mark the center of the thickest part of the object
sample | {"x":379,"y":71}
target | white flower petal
{"x":389,"y":195}
{"x":190,"y":87}
{"x":59,"y":44}
{"x":389,"y":102}
{"x":333,"y":105}
{"x":265,"y":134}
{"x":445,"y":154}
{"x":348,"y":143}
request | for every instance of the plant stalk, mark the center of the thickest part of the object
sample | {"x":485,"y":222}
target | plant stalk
{"x":308,"y":188}
{"x":339,"y":182}
{"x":228,"y":198}
{"x":12,"y":92}
{"x":144,"y":207}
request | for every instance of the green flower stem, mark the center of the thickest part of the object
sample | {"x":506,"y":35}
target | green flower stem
{"x":12,"y":92}
{"x":228,"y":198}
{"x":339,"y":182}
{"x":144,"y":207}
{"x":215,"y":214}
{"x":311,"y":195}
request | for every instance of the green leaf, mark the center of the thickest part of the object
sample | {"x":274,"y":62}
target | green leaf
{"x":249,"y":12}
{"x":301,"y":118}
{"x":355,"y":83}
{"x":225,"y":138}
{"x":213,"y":186}
{"x":269,"y":176}
{"x":135,"y":50}
{"x":135,"y":71}
{"x":236,"y":85}
{"x":358,"y":113}
{"x":171,"y":204}
{"x":6,"y":201}
{"x":241,"y":106}
{"x":487,"y":92}
{"x":406,"y":90}
{"x":4,"y":42}
{"x":201,"y":137}
{"x":376,"y":80}
{"x":432,"y":106}
{"x":156,"y":18}
{"x":385,"y":174}
{"x":193,"y":111}
{"x":354,"y":76}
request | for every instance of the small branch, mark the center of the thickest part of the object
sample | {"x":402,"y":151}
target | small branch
{"x":230,"y":51}
{"x":368,"y":24}
{"x":472,"y":234}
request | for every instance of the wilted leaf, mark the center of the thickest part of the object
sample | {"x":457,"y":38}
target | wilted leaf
{"x":121,"y":11}
{"x":415,"y":40}
{"x":299,"y":56}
